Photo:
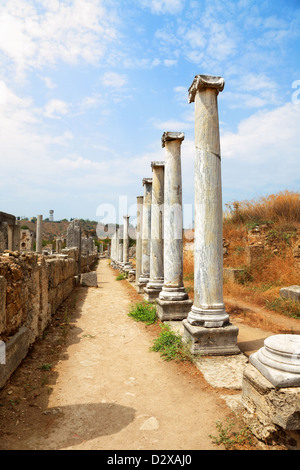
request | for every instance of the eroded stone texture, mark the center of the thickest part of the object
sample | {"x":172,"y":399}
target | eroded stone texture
{"x":273,"y":414}
{"x":156,"y":281}
{"x":146,"y":232}
{"x":39,"y":234}
{"x":173,"y":302}
{"x":139,"y":224}
{"x":291,"y":292}
{"x":208,"y":310}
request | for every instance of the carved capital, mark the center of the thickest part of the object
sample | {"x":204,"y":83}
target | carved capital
{"x":147,"y":181}
{"x":201,"y":82}
{"x":157,"y":164}
{"x":167,"y":136}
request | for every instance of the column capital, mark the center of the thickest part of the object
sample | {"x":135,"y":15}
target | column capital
{"x":201,"y":82}
{"x":157,"y":164}
{"x":147,"y":181}
{"x":167,"y":136}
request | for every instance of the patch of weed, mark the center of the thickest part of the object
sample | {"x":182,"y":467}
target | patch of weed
{"x":144,"y":312}
{"x":171,"y":346}
{"x":230,"y":438}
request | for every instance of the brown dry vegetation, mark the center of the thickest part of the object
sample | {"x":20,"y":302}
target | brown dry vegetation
{"x":278,"y":219}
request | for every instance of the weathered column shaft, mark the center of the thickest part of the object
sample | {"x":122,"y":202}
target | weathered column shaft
{"x":146,"y":236}
{"x":208,"y":309}
{"x":138,"y":253}
{"x":39,"y":235}
{"x":207,"y":323}
{"x":126,"y":239}
{"x":157,"y":212}
{"x":173,"y":288}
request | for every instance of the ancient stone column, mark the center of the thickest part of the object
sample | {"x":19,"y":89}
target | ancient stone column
{"x":58,"y":244}
{"x":146,"y":234}
{"x":208,"y":315}
{"x":138,"y":252}
{"x":126,"y":242}
{"x":173,"y":302}
{"x":156,"y":281}
{"x":39,"y":235}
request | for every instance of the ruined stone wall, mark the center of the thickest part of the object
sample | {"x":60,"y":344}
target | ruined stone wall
{"x":32,"y":287}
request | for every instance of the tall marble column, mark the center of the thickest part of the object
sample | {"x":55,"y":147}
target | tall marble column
{"x":146,"y":234}
{"x":39,"y":234}
{"x":173,"y":302}
{"x":126,"y":263}
{"x":208,"y":318}
{"x":138,"y":252}
{"x":156,"y":281}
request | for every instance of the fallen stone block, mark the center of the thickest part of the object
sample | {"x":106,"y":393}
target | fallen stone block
{"x":292,"y":293}
{"x":89,"y":279}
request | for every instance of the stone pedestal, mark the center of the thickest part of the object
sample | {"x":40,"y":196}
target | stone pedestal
{"x":208,"y":310}
{"x":279,"y":360}
{"x":154,"y":286}
{"x":173,"y":300}
{"x":273,"y":414}
{"x":212,"y":341}
{"x":271,"y":389}
{"x":146,"y":235}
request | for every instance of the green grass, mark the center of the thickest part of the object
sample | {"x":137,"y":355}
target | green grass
{"x":144,"y":312}
{"x":171,"y":346}
{"x":287,"y":307}
{"x":120,"y":277}
{"x":230,"y":438}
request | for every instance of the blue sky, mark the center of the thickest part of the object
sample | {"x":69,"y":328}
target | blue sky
{"x":87,"y":88}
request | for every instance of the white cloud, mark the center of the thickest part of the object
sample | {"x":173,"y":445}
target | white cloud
{"x":164,"y":6}
{"x":49,"y":83}
{"x":54,"y":109}
{"x":35,"y":34}
{"x":170,"y":62}
{"x":263,"y":155}
{"x":114,"y":80}
{"x":172,"y":125}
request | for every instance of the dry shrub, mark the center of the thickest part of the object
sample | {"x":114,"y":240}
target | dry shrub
{"x":188,"y":264}
{"x":283,"y":207}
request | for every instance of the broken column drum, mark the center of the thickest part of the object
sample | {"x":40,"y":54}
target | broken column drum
{"x":156,"y":281}
{"x":208,"y":310}
{"x":146,"y":232}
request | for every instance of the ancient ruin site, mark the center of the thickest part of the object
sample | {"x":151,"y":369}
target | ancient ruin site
{"x":145,"y":335}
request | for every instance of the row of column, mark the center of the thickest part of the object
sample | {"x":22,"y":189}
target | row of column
{"x":159,"y":268}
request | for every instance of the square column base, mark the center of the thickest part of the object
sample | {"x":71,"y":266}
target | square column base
{"x":140,"y":287}
{"x":151,"y":294}
{"x":168,"y":310}
{"x":273,"y":414}
{"x":220,"y":341}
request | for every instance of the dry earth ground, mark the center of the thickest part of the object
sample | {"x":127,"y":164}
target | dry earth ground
{"x":92,"y":383}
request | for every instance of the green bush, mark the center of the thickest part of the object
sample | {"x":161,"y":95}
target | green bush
{"x":171,"y":346}
{"x":144,"y":312}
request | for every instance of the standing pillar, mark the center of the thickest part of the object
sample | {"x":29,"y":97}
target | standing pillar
{"x":173,"y":302}
{"x":127,"y":264}
{"x":154,"y":286}
{"x":208,"y":323}
{"x":58,"y":244}
{"x":138,"y":252}
{"x":39,"y":235}
{"x":146,"y":235}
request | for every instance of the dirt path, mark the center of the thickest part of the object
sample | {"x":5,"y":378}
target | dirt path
{"x":106,"y":389}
